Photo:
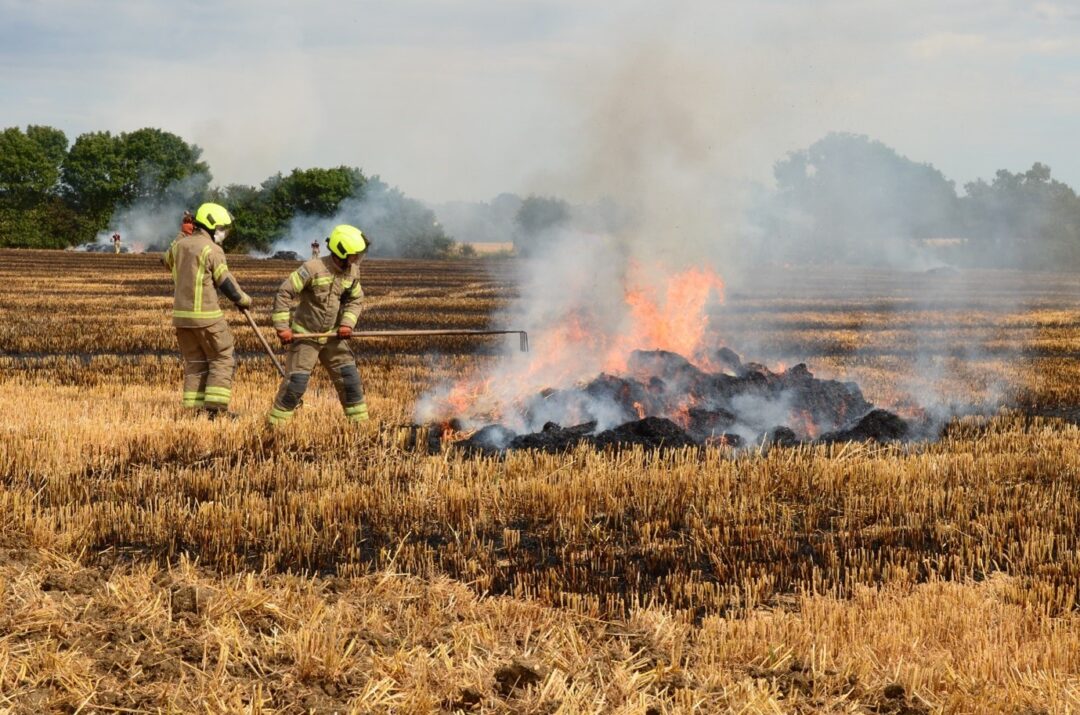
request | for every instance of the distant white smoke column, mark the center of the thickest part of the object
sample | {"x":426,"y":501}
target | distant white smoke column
{"x":151,"y":224}
{"x":380,"y":211}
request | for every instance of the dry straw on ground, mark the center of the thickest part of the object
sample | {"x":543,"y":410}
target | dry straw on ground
{"x":344,"y":569}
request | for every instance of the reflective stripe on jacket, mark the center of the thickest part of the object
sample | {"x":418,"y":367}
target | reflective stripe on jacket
{"x":198,"y":267}
{"x":318,"y":297}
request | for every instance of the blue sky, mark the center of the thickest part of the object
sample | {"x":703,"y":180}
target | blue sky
{"x":463,"y":99}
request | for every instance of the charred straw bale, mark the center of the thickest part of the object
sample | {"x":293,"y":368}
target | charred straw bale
{"x":665,"y":401}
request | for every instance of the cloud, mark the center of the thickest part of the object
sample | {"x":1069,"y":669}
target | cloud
{"x":459,"y":99}
{"x":947,"y":43}
{"x":1054,"y":11}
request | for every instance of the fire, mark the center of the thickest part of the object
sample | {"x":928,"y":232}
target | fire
{"x":668,"y":314}
{"x":680,"y":415}
{"x":673,"y":319}
{"x":464,"y":396}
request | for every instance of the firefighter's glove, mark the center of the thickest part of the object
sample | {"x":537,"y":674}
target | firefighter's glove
{"x":245,"y":301}
{"x":344,"y":332}
{"x":285,"y":336}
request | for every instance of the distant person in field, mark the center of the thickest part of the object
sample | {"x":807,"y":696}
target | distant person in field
{"x":199,"y":273}
{"x":187,"y":224}
{"x":323,"y":295}
{"x":116,"y":242}
{"x":315,"y":249}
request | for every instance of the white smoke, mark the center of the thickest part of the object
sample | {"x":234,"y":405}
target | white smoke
{"x":150,"y":224}
{"x":676,"y":171}
{"x":480,"y":221}
{"x":397,"y":225}
{"x":649,"y":153}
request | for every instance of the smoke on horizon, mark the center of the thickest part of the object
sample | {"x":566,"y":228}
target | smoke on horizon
{"x":399,"y":227}
{"x":150,"y":224}
{"x":674,"y":164}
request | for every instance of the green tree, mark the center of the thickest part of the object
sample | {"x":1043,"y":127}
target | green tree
{"x":256,"y":223}
{"x":51,"y":195}
{"x":30,"y":213}
{"x":103,"y":174}
{"x":54,"y":144}
{"x":263,"y":214}
{"x":95,"y":173}
{"x":26,"y":170}
{"x":160,"y":167}
{"x":317,"y":192}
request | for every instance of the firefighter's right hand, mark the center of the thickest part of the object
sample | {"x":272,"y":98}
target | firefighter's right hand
{"x":285,"y":336}
{"x":245,"y":301}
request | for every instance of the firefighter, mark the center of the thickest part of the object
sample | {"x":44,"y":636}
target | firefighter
{"x":315,"y":249}
{"x":187,"y":224}
{"x":116,"y":242}
{"x":322,"y":295}
{"x":199,"y":273}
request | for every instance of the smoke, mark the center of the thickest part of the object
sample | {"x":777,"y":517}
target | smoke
{"x":663,"y":202}
{"x":480,"y":221}
{"x":149,"y":224}
{"x":848,"y":199}
{"x":646,"y":151}
{"x":661,"y":147}
{"x":398,"y":226}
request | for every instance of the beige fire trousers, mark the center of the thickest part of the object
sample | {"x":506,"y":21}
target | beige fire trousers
{"x":339,"y":362}
{"x":208,"y":365}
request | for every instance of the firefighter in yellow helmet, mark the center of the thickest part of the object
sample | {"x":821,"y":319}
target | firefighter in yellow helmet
{"x":323,"y":295}
{"x":199,"y":273}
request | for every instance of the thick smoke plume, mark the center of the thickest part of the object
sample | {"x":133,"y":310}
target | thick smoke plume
{"x":589,"y":299}
{"x":691,"y":223}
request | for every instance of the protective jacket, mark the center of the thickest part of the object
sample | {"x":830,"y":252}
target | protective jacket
{"x":318,"y":297}
{"x":199,"y":271}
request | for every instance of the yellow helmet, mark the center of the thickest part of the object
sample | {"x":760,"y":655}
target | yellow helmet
{"x":213,"y":216}
{"x":346,"y":240}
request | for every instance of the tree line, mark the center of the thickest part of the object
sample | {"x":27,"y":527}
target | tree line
{"x":845,"y":198}
{"x":55,"y":195}
{"x":850,"y":199}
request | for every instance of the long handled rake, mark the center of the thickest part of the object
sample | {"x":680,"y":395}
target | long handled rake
{"x":266,"y":345}
{"x":523,"y":337}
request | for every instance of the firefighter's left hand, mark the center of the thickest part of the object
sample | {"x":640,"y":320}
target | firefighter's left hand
{"x":245,"y":301}
{"x":344,"y":332}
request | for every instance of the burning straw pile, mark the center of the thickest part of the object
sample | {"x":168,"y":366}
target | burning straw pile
{"x":667,"y":401}
{"x":682,"y":391}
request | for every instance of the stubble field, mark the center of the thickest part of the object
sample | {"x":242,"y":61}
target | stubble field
{"x":151,"y":560}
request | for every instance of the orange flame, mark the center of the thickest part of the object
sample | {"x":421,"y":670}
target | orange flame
{"x":673,"y":319}
{"x":661,"y":315}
